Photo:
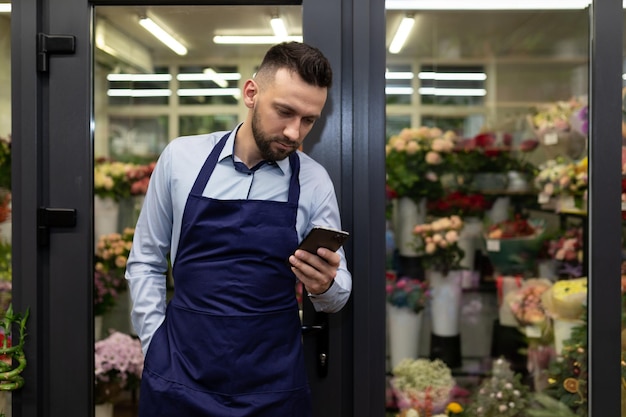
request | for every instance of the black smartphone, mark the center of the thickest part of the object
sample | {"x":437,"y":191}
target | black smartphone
{"x":323,"y":237}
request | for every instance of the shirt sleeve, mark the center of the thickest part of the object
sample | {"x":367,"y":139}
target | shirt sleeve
{"x":324,"y":211}
{"x":148,"y":260}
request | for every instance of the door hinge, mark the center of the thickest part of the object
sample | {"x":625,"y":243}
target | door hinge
{"x":53,"y":217}
{"x":53,"y":44}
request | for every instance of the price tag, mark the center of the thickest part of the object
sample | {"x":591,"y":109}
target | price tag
{"x":493,"y":245}
{"x":533,"y":331}
{"x":543,"y":198}
{"x":550,"y":138}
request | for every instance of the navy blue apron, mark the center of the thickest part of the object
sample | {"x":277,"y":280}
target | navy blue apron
{"x":231,"y":342}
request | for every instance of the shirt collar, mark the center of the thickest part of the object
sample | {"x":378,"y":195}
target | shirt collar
{"x":227,"y":152}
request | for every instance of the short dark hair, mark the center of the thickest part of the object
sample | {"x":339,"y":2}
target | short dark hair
{"x":305,"y":60}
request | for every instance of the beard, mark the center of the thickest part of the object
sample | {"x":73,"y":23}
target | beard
{"x":264,"y":142}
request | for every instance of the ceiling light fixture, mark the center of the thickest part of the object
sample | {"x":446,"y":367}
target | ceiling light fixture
{"x":139,"y":77}
{"x":5,"y":7}
{"x":453,"y":92}
{"x":402,"y":34}
{"x":126,"y":92}
{"x":452,"y":76}
{"x":254,"y":40}
{"x":487,"y":4}
{"x":162,"y":35}
{"x":278,"y":26}
{"x":206,"y":76}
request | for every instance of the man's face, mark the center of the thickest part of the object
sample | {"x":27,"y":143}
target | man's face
{"x":284,"y":114}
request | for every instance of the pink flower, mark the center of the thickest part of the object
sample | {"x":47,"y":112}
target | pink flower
{"x":433,"y":158}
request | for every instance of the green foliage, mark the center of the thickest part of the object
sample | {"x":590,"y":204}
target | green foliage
{"x":567,"y":376}
{"x":502,"y":395}
{"x":10,"y":378}
{"x":546,"y":406}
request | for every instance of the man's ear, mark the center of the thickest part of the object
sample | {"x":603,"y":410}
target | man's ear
{"x":250,"y":90}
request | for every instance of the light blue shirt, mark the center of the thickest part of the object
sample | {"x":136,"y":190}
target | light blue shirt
{"x":158,"y":228}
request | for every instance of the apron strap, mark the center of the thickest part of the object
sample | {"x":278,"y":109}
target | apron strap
{"x":208,"y":167}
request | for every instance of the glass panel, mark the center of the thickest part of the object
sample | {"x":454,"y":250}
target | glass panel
{"x":494,"y":131}
{"x":6,"y":275}
{"x":146,"y":95}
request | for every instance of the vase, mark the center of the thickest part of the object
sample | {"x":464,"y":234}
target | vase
{"x":445,"y":315}
{"x":505,"y":285}
{"x":470,"y":240}
{"x":5,"y":403}
{"x":106,"y":216}
{"x":407,"y":214}
{"x":104,"y":410}
{"x":563,"y":331}
{"x":404,"y":328}
{"x":445,"y":301}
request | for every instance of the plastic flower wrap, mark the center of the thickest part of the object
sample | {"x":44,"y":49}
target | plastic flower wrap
{"x":557,"y":177}
{"x":568,"y":250}
{"x":526,"y":302}
{"x":558,"y":115}
{"x":566,"y":299}
{"x":439,"y":241}
{"x":415,"y":161}
{"x":118,"y":365}
{"x":422,"y":384}
{"x":406,"y":292}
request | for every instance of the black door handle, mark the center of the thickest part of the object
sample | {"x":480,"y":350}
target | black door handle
{"x":321,"y":333}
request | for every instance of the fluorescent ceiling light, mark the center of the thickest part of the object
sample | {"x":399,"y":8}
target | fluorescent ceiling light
{"x":460,"y":76}
{"x":192,"y":92}
{"x":215,"y":77}
{"x":486,"y":4}
{"x":162,"y":35}
{"x":254,"y":40}
{"x":399,"y":91}
{"x":457,"y":92}
{"x":398,"y":75}
{"x":229,"y":76}
{"x":278,"y":26}
{"x":125,"y":92}
{"x":139,"y":77}
{"x":5,"y":7}
{"x":401,"y":34}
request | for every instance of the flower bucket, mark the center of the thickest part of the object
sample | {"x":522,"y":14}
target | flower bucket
{"x":106,"y":216}
{"x":445,"y":302}
{"x":407,"y":214}
{"x":404,"y":328}
{"x":470,"y":240}
{"x":563,"y":331}
{"x":104,"y":410}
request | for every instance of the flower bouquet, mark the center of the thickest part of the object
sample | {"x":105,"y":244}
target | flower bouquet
{"x":563,"y":183}
{"x":483,"y":162}
{"x":422,"y":385}
{"x":568,"y":250}
{"x":461,"y":204}
{"x":415,"y":161}
{"x":111,"y":256}
{"x":513,"y":244}
{"x":120,"y":180}
{"x":118,"y":366}
{"x":405,"y":292}
{"x":527,"y":307}
{"x":439,"y":243}
{"x":559,"y":127}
